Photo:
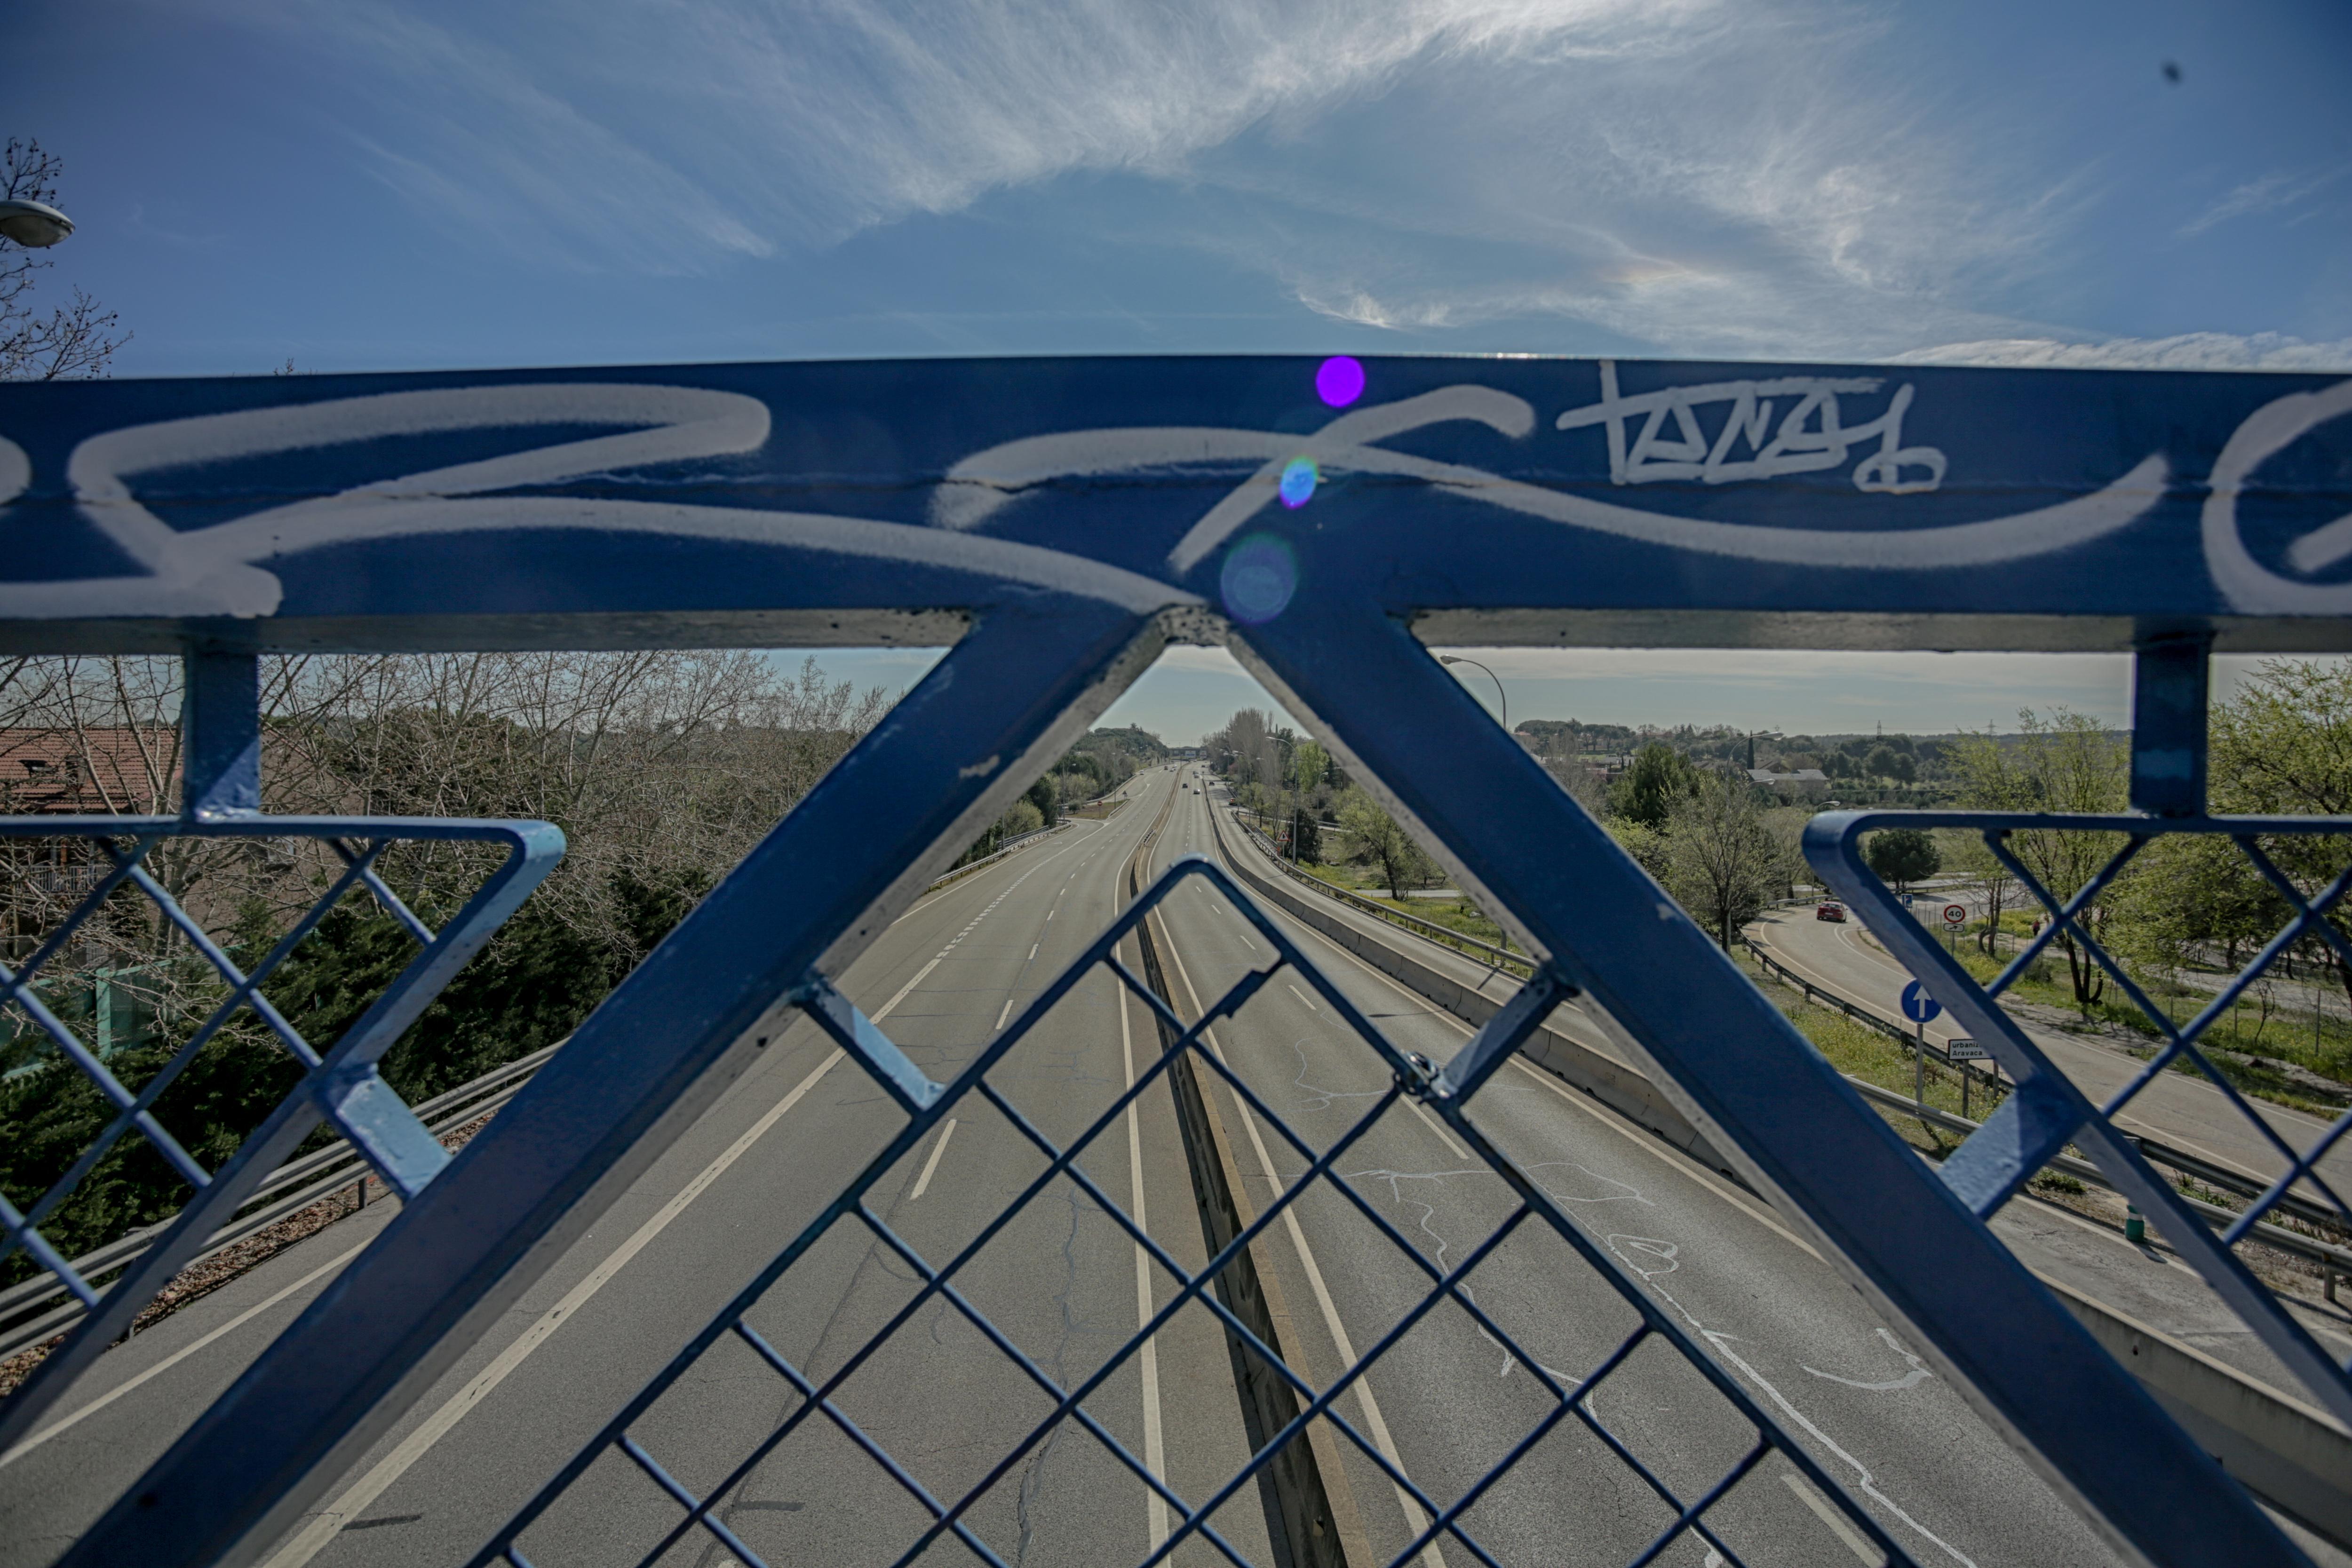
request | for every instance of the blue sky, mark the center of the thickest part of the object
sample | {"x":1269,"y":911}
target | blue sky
{"x":357,"y":185}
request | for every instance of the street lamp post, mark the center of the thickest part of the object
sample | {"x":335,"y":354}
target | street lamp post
{"x":1503,"y":698}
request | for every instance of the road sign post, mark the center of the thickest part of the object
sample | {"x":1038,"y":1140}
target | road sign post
{"x":1962,"y":1052}
{"x":1955,"y":915}
{"x":1918,"y":1006}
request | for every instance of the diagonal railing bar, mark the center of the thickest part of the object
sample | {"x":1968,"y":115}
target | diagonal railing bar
{"x":1067,"y":1405}
{"x":1832,"y":846}
{"x":1692,"y":1515}
{"x":530,"y":849}
{"x":851,"y":1198}
{"x":1454,"y":1109}
{"x":163,"y":1077}
{"x":2063,"y":911}
{"x":849,"y":1428}
{"x":390,"y":901}
{"x":98,"y":895}
{"x":123,"y":1099}
{"x":211,"y":952}
{"x":1456,"y":1113}
{"x":2181,"y":1038}
{"x":1442,"y":1522}
{"x":686,"y":1499}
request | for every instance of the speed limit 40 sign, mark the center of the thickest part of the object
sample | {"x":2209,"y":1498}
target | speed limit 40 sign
{"x":1954,"y":915}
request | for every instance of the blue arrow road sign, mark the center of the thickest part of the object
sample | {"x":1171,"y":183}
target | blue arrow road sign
{"x":1917,"y":1006}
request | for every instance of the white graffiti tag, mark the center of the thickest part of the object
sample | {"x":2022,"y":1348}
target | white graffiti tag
{"x":1811,"y":434}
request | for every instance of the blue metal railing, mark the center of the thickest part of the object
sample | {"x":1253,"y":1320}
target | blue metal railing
{"x":1060,"y":523}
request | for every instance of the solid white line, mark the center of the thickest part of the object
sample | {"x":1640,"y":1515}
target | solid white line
{"x":1006,"y":1014}
{"x":1416,"y":1520}
{"x":1808,"y":1494}
{"x":328,"y":1522}
{"x":888,"y":1008}
{"x":1155,"y":1458}
{"x":932,"y":1164}
{"x":177,"y":1356}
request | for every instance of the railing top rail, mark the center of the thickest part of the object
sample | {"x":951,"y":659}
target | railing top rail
{"x":1634,"y":502}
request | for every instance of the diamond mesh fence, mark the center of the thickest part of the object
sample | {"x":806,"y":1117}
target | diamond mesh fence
{"x":2272,"y":1205}
{"x":1060,"y":1357}
{"x":118,"y":1181}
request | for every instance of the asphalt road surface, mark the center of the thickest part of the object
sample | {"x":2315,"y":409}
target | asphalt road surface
{"x":1066,"y":1287}
{"x":2179,"y":1109}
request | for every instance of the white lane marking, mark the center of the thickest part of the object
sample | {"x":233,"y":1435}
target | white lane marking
{"x":1302,"y":996}
{"x":1720,"y":1340}
{"x":328,"y":1522}
{"x":177,"y":1356}
{"x":94,"y":1406}
{"x":1154,"y":1448}
{"x":1810,"y":1495}
{"x":888,"y":1008}
{"x":1033,"y":951}
{"x":1416,"y":1520}
{"x":932,"y":1164}
{"x":1006,"y":1014}
{"x":1438,"y":1127}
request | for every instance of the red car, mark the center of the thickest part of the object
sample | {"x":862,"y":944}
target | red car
{"x":1830,"y":912}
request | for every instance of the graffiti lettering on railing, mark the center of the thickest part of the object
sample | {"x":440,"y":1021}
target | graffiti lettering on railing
{"x":1811,"y":437}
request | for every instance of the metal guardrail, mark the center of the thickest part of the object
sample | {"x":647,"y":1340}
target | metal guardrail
{"x":40,"y":1309}
{"x":1446,"y":936}
{"x":2224,"y":1178}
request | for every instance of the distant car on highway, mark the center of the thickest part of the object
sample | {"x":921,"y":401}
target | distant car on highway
{"x":1830,"y":912}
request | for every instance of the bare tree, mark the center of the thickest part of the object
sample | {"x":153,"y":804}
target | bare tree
{"x":74,"y":342}
{"x":1723,"y":862}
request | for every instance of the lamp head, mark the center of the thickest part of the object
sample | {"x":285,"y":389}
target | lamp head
{"x":34,"y":225}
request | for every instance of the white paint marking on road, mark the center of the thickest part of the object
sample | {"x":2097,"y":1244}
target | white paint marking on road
{"x":1810,"y":1496}
{"x":1033,"y":951}
{"x":1006,"y":1014}
{"x":1302,"y":996}
{"x":1416,"y":1520}
{"x":888,"y":1008}
{"x":1438,"y":1127}
{"x":328,"y":1522}
{"x":177,"y":1356}
{"x":1154,"y":1447}
{"x":932,"y":1164}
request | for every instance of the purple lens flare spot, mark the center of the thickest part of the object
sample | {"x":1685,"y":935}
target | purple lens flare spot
{"x":1260,"y":575}
{"x":1298,"y":479}
{"x":1339,"y":381}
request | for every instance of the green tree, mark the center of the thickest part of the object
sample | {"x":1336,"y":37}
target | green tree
{"x":2066,"y":762}
{"x":1659,"y":777}
{"x":1904,"y":856}
{"x":1382,"y":841}
{"x":2285,"y":745}
{"x":1724,"y":863}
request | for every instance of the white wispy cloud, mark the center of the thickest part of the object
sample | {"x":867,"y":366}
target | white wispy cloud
{"x":2189,"y":351}
{"x":1691,"y":176}
{"x":2270,"y":193}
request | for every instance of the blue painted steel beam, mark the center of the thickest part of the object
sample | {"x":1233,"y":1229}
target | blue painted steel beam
{"x":946,"y":760}
{"x":1527,"y":500}
{"x":2169,"y":703}
{"x":220,"y":734}
{"x":1759,"y":1089}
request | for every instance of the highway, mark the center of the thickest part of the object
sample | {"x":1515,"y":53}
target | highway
{"x":1067,"y":1287}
